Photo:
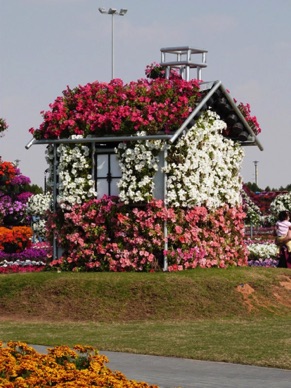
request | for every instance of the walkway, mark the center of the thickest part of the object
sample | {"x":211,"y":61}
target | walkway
{"x":170,"y":372}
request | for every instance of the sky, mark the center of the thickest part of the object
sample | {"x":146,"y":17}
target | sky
{"x":46,"y":45}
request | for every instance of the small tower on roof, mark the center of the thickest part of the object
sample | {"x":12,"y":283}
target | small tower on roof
{"x":183,"y":61}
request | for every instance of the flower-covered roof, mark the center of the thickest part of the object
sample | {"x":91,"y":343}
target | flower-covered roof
{"x":116,"y":108}
{"x":240,"y":125}
{"x":156,"y":106}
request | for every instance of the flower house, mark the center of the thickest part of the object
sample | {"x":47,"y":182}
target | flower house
{"x":168,"y":148}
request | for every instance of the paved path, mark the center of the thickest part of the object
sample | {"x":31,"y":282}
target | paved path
{"x":170,"y":372}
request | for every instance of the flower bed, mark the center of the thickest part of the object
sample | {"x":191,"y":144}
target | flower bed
{"x":37,"y":258}
{"x":82,"y":366}
{"x":264,"y":262}
{"x":32,"y":259}
{"x":262,"y":253}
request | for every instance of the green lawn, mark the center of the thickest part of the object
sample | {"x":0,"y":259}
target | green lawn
{"x":239,"y":315}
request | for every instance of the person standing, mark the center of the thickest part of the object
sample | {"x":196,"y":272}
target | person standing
{"x":283,"y":230}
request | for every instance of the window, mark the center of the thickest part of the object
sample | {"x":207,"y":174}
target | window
{"x":107,"y":174}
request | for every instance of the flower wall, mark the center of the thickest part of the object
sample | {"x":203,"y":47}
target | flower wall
{"x":75,"y":183}
{"x":204,"y":167}
{"x":107,"y":235}
{"x":139,"y":163}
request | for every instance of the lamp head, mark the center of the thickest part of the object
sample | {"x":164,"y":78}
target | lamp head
{"x":102,"y":10}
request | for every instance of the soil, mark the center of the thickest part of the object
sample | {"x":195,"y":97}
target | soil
{"x":281,"y":294}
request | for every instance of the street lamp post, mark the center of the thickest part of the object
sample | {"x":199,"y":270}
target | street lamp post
{"x":256,"y":171}
{"x":112,"y":12}
{"x":45,"y":180}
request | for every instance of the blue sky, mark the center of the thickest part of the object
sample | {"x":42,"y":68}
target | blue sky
{"x":49,"y":44}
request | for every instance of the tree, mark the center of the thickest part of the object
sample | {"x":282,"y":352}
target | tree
{"x":33,"y":188}
{"x":253,"y":187}
{"x":3,"y":126}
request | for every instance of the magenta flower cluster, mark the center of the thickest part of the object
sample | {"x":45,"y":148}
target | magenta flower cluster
{"x":20,"y":180}
{"x":14,"y":210}
{"x":251,"y":120}
{"x":101,"y":108}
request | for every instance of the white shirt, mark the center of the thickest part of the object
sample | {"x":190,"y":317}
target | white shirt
{"x":282,"y":227}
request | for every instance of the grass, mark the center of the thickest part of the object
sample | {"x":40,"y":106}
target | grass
{"x":239,"y":315}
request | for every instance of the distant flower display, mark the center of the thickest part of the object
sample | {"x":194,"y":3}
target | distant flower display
{"x":37,"y":207}
{"x":15,"y":239}
{"x":20,"y":180}
{"x":39,"y":204}
{"x":23,"y":197}
{"x":280,"y":203}
{"x":263,"y":251}
{"x":263,"y":199}
{"x":12,"y":197}
{"x":262,"y":254}
{"x":254,"y":215}
{"x":33,"y":258}
{"x":12,"y":212}
{"x":8,"y":171}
